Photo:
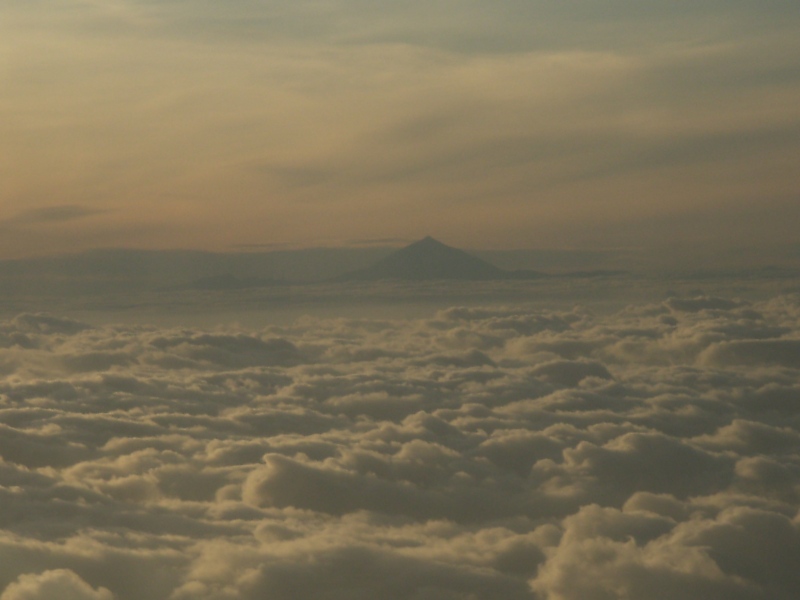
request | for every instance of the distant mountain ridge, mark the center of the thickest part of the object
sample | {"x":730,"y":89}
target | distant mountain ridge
{"x":429,"y":259}
{"x":120,"y":270}
{"x":115,"y":270}
{"x":226,"y":282}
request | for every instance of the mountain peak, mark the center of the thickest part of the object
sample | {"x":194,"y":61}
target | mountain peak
{"x":428,"y":242}
{"x":429,"y":259}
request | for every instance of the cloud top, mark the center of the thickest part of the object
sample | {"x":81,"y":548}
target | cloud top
{"x":479,"y":452}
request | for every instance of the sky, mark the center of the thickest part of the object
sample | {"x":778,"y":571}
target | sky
{"x":474,"y":453}
{"x":670,"y":128}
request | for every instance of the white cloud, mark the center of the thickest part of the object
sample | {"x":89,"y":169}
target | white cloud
{"x":61,"y":583}
{"x":480,"y":453}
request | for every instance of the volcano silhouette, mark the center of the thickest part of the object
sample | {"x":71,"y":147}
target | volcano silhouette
{"x":428,"y":259}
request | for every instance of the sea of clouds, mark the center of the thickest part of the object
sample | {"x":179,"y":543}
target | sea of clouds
{"x":476,"y":453}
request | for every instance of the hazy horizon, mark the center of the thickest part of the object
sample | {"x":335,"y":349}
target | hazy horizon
{"x":547,"y":259}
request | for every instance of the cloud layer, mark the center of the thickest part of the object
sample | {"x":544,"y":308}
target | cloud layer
{"x":480,"y":453}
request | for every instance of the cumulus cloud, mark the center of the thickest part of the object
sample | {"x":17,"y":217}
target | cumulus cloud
{"x":60,"y":583}
{"x":477,"y":453}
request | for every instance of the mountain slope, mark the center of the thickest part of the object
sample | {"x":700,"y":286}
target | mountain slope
{"x":428,"y":259}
